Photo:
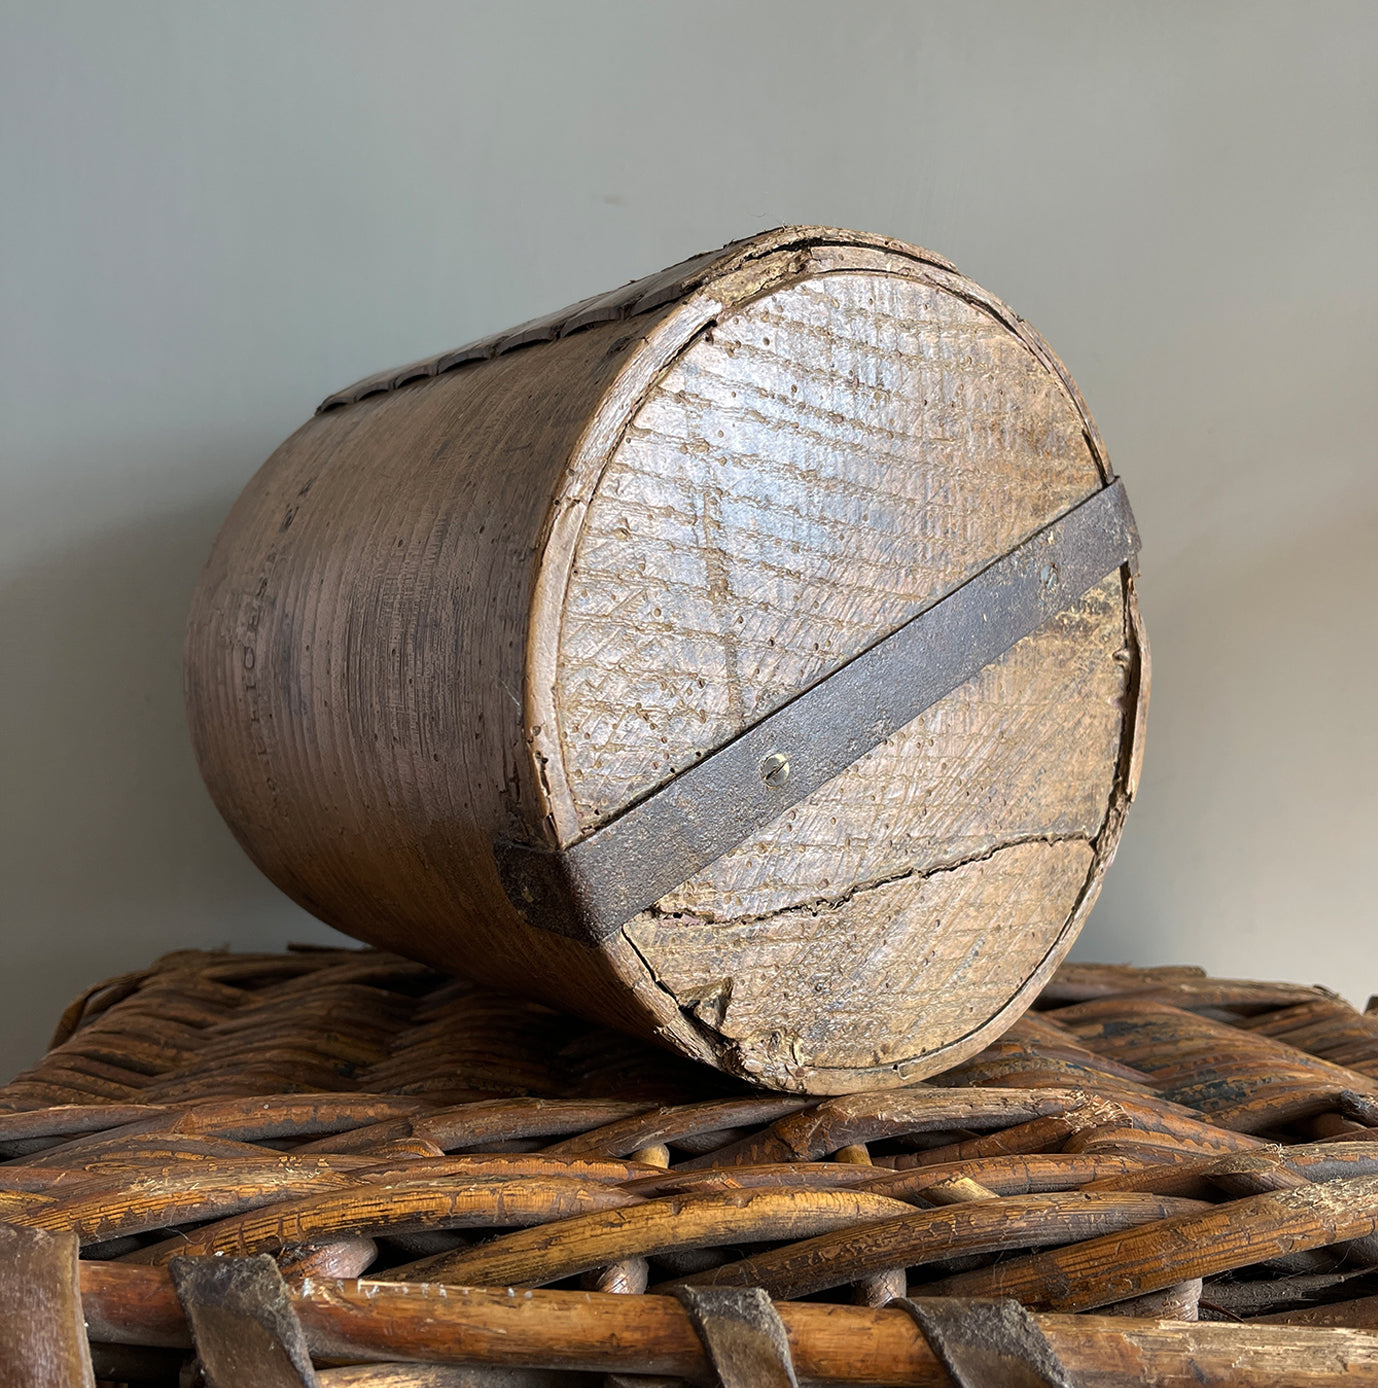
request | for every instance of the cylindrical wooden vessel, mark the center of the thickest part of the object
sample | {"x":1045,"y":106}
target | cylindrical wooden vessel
{"x":494,"y":661}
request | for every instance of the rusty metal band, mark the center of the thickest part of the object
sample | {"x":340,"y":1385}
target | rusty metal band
{"x":987,"y":1343}
{"x":595,"y":885}
{"x":242,"y":1322}
{"x":742,"y":1335}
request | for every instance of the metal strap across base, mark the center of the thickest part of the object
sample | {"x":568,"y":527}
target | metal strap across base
{"x":594,"y":886}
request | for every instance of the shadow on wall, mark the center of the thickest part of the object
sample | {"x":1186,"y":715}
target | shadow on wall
{"x":111,"y":851}
{"x":1260,"y":788}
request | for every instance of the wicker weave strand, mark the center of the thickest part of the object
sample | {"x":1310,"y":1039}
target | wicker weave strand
{"x":1192,"y":1159}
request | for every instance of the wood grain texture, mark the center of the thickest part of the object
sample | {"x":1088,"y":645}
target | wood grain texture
{"x":1025,"y":751}
{"x":571,"y":1245}
{"x":653,"y":1335}
{"x":849,"y":1198}
{"x":924,"y":1236}
{"x":501,"y":592}
{"x":42,"y":1335}
{"x":857,"y":988}
{"x":1103,"y":1270}
{"x":810,"y":473}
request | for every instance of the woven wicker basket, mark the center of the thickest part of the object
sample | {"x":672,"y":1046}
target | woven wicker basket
{"x":295,"y":1162}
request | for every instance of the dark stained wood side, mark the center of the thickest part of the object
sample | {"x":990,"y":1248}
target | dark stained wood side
{"x":42,"y":1334}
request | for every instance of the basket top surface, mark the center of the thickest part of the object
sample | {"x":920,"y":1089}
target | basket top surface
{"x":1161,"y":1136}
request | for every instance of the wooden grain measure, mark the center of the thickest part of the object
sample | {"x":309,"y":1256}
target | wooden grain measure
{"x":482,"y":616}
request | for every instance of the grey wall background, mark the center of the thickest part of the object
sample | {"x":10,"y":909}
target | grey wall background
{"x":211,"y":215}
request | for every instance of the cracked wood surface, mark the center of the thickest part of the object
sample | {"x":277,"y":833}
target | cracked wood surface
{"x":653,"y":1335}
{"x":814,"y":470}
{"x":918,"y":1237}
{"x":1024,"y":751}
{"x":503,"y":592}
{"x":668,"y":1224}
{"x":900,"y":971}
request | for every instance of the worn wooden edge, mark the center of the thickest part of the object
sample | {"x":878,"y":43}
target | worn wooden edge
{"x":42,"y":1336}
{"x":767,"y":265}
{"x":669,"y":313}
{"x":626,"y":302}
{"x":747,"y":271}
